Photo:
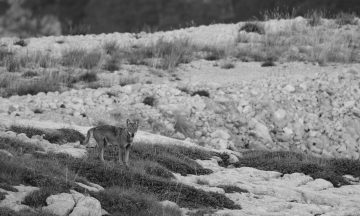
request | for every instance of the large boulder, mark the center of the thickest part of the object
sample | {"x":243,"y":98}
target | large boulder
{"x":60,"y":204}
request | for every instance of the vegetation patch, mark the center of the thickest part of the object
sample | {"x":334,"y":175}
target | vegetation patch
{"x":7,"y":187}
{"x":2,"y":195}
{"x":59,"y":136}
{"x":17,"y":146}
{"x":254,"y":27}
{"x":120,"y":201}
{"x":232,"y":189}
{"x":150,"y":101}
{"x":38,"y":198}
{"x":202,"y":93}
{"x":89,"y":76}
{"x":290,"y":162}
{"x":9,"y":212}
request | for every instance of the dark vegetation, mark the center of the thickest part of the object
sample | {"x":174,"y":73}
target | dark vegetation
{"x":202,"y":93}
{"x":253,"y":27}
{"x":90,"y":76}
{"x":2,"y":195}
{"x":290,"y":162}
{"x":8,"y":212}
{"x":149,"y":101}
{"x":232,"y":189}
{"x":59,"y":136}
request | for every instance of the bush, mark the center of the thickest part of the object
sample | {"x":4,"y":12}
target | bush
{"x":89,"y":76}
{"x":315,"y":17}
{"x":2,"y":196}
{"x":15,"y":145}
{"x":73,"y":57}
{"x":9,"y":212}
{"x":128,"y":80}
{"x":111,"y":47}
{"x":268,"y":63}
{"x":254,"y":27}
{"x":7,"y":187}
{"x":38,"y":198}
{"x":202,"y":93}
{"x":119,"y":201}
{"x":12,"y":63}
{"x":150,"y":101}
{"x":290,"y":162}
{"x":59,"y":136}
{"x":112,"y":64}
{"x":91,"y":60}
{"x":213,"y":53}
{"x":20,"y":42}
{"x":346,"y":19}
{"x":29,"y":74}
{"x":232,"y":189}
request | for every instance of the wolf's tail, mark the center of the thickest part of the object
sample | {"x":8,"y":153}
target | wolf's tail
{"x":89,"y":133}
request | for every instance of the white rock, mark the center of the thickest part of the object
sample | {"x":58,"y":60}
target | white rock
{"x":5,"y":153}
{"x":289,"y":88}
{"x":260,"y":130}
{"x":87,"y":206}
{"x":221,"y":134}
{"x":60,"y":204}
{"x":233,"y":159}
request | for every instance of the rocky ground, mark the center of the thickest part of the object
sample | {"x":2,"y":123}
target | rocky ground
{"x":297,"y":106}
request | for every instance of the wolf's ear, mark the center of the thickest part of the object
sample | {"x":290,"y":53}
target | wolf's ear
{"x":128,"y":121}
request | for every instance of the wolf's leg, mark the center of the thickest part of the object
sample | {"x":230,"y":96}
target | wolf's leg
{"x":127,"y":151}
{"x":121,"y":156}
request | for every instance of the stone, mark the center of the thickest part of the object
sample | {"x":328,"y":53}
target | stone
{"x":87,"y":206}
{"x":289,"y":88}
{"x":221,"y":134}
{"x":60,"y":204}
{"x":233,"y":159}
{"x":5,"y":153}
{"x":260,"y":130}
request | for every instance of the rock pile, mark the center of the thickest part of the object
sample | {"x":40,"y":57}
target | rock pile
{"x":320,"y":115}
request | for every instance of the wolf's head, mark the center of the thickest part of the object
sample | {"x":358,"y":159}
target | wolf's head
{"x":132,"y":128}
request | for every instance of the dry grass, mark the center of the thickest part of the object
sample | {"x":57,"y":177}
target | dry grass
{"x":128,"y":80}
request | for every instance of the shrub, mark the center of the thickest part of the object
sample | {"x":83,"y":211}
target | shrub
{"x":315,"y":17}
{"x":111,"y":47}
{"x":30,"y":74}
{"x":91,"y":59}
{"x":112,"y":64}
{"x":183,"y":126}
{"x":346,"y":19}
{"x":268,"y":63}
{"x":38,"y":198}
{"x":59,"y":136}
{"x":89,"y":76}
{"x":232,"y":189}
{"x":202,"y":93}
{"x":227,"y":64}
{"x":290,"y":162}
{"x":17,"y":146}
{"x":9,"y":212}
{"x":12,"y":63}
{"x":73,"y":57}
{"x":2,"y":196}
{"x":213,"y":53}
{"x":254,"y":27}
{"x":118,"y":201}
{"x":128,"y":80}
{"x":150,"y":101}
{"x":20,"y":42}
{"x":4,"y":53}
{"x":7,"y":187}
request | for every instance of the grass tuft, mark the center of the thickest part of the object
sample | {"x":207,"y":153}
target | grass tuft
{"x":254,"y":27}
{"x":150,"y":101}
{"x":58,"y":136}
{"x":89,"y":76}
{"x":202,"y":93}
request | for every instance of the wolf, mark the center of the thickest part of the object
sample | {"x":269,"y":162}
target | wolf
{"x":108,"y":134}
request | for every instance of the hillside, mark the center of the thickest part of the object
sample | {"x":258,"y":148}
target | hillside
{"x":252,"y":118}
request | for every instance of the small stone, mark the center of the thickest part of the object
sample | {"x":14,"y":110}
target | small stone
{"x":289,"y":88}
{"x":233,"y":159}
